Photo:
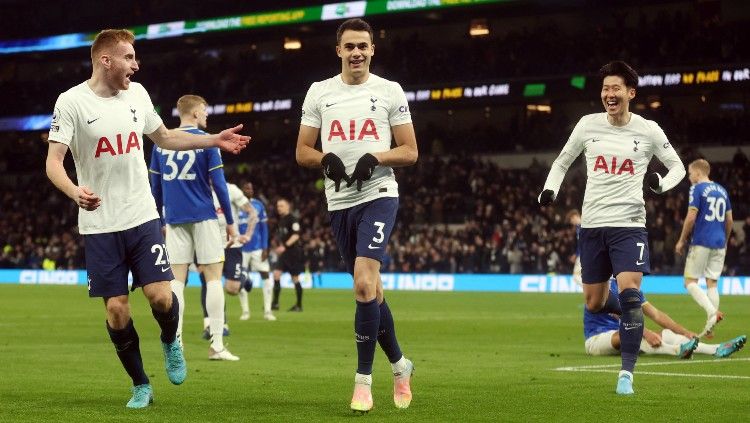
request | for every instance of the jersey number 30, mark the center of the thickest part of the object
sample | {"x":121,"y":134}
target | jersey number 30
{"x":717,"y":208}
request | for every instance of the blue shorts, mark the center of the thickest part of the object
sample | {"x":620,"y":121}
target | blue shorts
{"x":233,"y":263}
{"x":364,"y":230}
{"x":607,"y":252}
{"x":110,"y":256}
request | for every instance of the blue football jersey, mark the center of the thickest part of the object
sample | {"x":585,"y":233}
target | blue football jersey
{"x":712,"y":202}
{"x":259,"y":240}
{"x":596,"y":323}
{"x":183,"y":178}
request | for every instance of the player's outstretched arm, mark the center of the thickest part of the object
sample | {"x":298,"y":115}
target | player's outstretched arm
{"x":82,"y":195}
{"x":567,"y":156}
{"x":228,"y":140}
{"x":662,"y":319}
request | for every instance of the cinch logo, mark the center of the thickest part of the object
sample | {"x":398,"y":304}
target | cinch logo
{"x":367,"y":129}
{"x":625,"y":167}
{"x":105,"y":146}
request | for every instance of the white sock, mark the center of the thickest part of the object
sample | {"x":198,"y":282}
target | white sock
{"x":713,"y":295}
{"x":701,"y":298}
{"x":400,"y":365}
{"x":178,"y":287}
{"x":267,"y":294}
{"x":242,"y":295}
{"x":663,"y":349}
{"x":361,"y":379}
{"x":670,"y":337}
{"x":215,"y":309}
{"x":206,"y":322}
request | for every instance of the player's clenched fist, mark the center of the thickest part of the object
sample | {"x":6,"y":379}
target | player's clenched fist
{"x":546,"y":197}
{"x":333,"y":169}
{"x":363,"y":170}
{"x":86,"y":199}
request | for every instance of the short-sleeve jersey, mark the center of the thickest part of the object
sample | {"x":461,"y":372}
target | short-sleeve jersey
{"x":596,"y":323}
{"x":354,"y":120}
{"x":238,"y":200}
{"x":256,"y":241}
{"x":712,"y":202}
{"x":288,"y":226}
{"x":184,"y":180}
{"x":105,"y":137}
{"x":617,"y":159}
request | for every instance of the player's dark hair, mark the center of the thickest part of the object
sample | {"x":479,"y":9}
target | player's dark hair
{"x":621,"y":69}
{"x":354,"y":24}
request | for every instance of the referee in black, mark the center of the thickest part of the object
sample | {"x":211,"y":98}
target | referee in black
{"x":289,"y":252}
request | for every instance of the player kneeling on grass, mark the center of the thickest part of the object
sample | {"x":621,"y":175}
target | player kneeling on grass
{"x":603,"y":338}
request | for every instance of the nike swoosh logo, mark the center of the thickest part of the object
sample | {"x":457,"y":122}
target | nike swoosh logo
{"x":638,"y":263}
{"x":329,"y":104}
{"x":594,"y":140}
{"x":373,"y":248}
{"x":164,"y":269}
{"x":631,"y":328}
{"x":92,"y":121}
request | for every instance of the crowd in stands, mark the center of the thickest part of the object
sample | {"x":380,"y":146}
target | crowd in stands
{"x":457,"y":214}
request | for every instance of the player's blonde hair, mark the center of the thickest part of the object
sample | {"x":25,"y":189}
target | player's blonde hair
{"x":702,"y":166}
{"x":109,"y":38}
{"x":187,"y":103}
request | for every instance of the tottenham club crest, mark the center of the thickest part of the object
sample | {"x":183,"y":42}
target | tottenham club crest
{"x":635,"y":145}
{"x":373,"y":100}
{"x":132,"y":110}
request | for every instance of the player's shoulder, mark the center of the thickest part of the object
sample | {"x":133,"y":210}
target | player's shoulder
{"x":591,"y":118}
{"x":73,"y":94}
{"x":641,"y":121}
{"x":192,"y":130}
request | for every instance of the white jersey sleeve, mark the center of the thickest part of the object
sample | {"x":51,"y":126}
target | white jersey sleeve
{"x":63,"y":124}
{"x":567,"y":156}
{"x":310,"y":110}
{"x":665,"y":153}
{"x":399,"y":113}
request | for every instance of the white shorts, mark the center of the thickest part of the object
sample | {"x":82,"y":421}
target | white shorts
{"x":601,"y":344}
{"x":199,"y":241}
{"x":703,"y":261}
{"x":253,"y":263}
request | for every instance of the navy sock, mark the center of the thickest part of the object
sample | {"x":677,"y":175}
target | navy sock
{"x":128,"y":349}
{"x":276,"y":291}
{"x":203,"y":295}
{"x":246,"y":282}
{"x":168,"y":321}
{"x":631,"y":327}
{"x":387,"y":334}
{"x":366,"y":322}
{"x":612,"y":305}
{"x":298,"y":291}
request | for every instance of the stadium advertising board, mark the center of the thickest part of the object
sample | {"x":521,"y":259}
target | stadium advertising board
{"x":728,"y":285}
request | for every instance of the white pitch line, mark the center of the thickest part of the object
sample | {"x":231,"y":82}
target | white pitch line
{"x":656,"y":363}
{"x":573,"y":369}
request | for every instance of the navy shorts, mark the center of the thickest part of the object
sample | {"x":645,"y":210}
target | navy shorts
{"x":364,"y":230}
{"x":110,"y":256}
{"x":291,"y":260}
{"x":233,"y":263}
{"x":606,"y":252}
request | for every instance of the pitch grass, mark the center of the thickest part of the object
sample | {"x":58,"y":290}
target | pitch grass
{"x":478,"y":356}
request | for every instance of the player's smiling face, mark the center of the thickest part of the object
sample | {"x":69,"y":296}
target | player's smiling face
{"x":616,"y":95}
{"x":355,"y":50}
{"x":122,"y":65}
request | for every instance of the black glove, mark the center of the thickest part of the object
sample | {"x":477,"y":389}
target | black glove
{"x":333,"y":169}
{"x":546,"y":197}
{"x":654,"y":182}
{"x":363,"y":170}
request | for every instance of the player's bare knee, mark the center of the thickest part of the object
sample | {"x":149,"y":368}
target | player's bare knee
{"x":118,"y":312}
{"x":364,"y":289}
{"x":232,"y":288}
{"x":594,"y":304}
{"x":161,"y":300}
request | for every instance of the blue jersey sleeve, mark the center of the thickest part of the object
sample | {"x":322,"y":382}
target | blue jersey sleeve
{"x":154,"y":173}
{"x":263,"y":228}
{"x":693,"y":200}
{"x":222,"y":193}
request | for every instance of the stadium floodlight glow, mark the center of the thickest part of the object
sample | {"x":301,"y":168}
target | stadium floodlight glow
{"x":479,"y":28}
{"x":292,"y":43}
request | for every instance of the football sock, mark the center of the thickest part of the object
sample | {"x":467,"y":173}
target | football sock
{"x":215,"y":308}
{"x":276,"y":291}
{"x":169,"y":320}
{"x":713,"y":296}
{"x":246,"y":282}
{"x":366,"y":322}
{"x":701,"y":298}
{"x":298,"y":291}
{"x":672,"y":338}
{"x":178,"y":289}
{"x":128,"y":350}
{"x":387,"y":334}
{"x":203,"y":295}
{"x":612,"y":305}
{"x":631,"y":327}
{"x":267,"y":295}
{"x":244,"y":305}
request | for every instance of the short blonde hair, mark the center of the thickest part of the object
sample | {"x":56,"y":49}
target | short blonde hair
{"x":702,"y":166}
{"x":187,"y":103}
{"x":109,"y":38}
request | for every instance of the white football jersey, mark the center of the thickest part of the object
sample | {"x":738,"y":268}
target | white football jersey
{"x":617,"y":160}
{"x":105,"y":137}
{"x":354,"y":120}
{"x":237,"y":199}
